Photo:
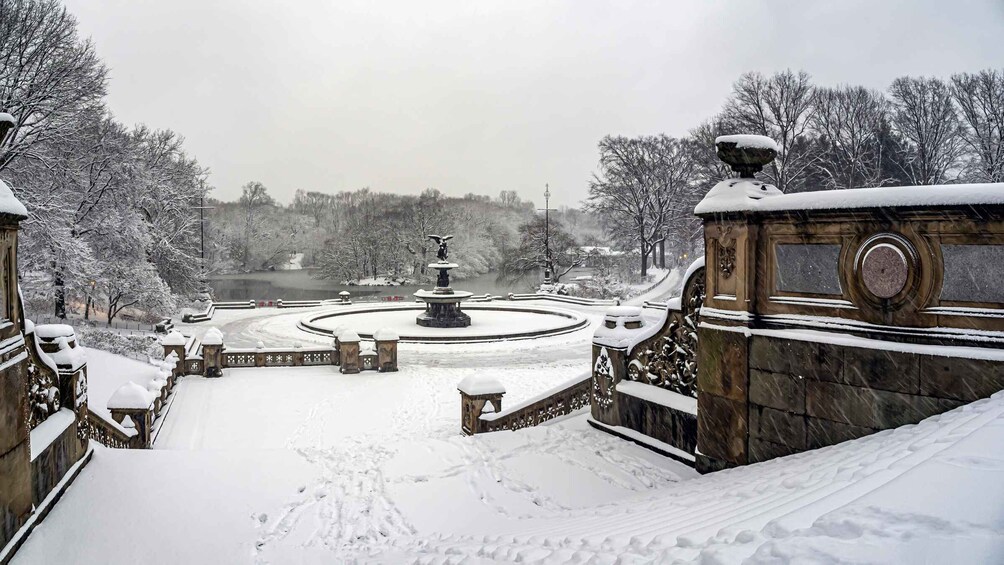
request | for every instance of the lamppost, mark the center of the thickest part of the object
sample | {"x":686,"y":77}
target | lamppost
{"x":202,"y":240}
{"x":547,"y":235}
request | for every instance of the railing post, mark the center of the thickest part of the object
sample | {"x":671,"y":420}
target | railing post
{"x":348,"y":345}
{"x":174,"y":342}
{"x":212,"y":353}
{"x":386,"y":345}
{"x":134,"y":401}
{"x":475,"y":393}
{"x":611,"y":345}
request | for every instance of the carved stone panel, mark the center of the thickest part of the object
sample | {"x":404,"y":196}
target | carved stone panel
{"x":973,"y":273}
{"x":808,"y":268}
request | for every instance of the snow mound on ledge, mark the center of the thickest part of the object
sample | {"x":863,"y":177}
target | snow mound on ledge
{"x":386,"y":334}
{"x":475,"y":385}
{"x":734,"y":195}
{"x":749,"y":141}
{"x":130,"y":396}
{"x":9,"y":204}
{"x":173,"y":338}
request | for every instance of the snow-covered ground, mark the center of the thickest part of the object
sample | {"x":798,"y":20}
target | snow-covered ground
{"x":106,"y":372}
{"x":305,"y":465}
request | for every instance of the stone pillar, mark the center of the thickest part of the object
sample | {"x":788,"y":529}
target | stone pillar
{"x":136,"y":402}
{"x":475,"y":393}
{"x":348,"y":348}
{"x":611,"y":349}
{"x":142,"y":419}
{"x":297,"y":355}
{"x":212,"y":353}
{"x":174,"y":342}
{"x":386,"y":345}
{"x":730,"y":306}
{"x":344,"y":297}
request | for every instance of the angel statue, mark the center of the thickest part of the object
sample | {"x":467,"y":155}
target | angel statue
{"x":443,"y":252}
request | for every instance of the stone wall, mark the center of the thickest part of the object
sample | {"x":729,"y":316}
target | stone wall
{"x":806,"y":395}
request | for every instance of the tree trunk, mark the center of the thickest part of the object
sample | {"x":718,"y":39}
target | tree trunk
{"x":662,"y":254}
{"x":60,"y":293}
{"x":644,"y":252}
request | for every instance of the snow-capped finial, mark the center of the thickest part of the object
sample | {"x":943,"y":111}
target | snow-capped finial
{"x":746,"y":154}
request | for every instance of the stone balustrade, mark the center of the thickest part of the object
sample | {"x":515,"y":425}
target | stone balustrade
{"x":479,"y":393}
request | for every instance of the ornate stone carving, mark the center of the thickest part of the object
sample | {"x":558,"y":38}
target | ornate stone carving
{"x":727,"y":257}
{"x":603,"y":380}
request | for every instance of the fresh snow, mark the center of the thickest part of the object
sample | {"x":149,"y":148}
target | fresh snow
{"x":659,"y":396}
{"x":9,"y":204}
{"x":106,"y":372}
{"x":476,"y":385}
{"x":306,"y":465}
{"x":738,"y":195}
{"x":749,"y":141}
{"x":174,"y":337}
{"x":130,"y":396}
{"x":45,"y":433}
{"x":52,"y":331}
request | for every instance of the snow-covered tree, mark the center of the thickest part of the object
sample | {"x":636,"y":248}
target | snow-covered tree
{"x":643,"y":186}
{"x":48,"y":75}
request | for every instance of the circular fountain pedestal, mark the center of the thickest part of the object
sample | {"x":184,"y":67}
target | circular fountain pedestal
{"x":442,"y":305}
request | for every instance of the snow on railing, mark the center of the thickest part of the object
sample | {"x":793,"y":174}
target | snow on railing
{"x":561,"y":400}
{"x":110,"y":435}
{"x":565,"y":299}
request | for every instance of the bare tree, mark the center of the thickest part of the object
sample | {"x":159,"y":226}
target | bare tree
{"x":47,"y":74}
{"x":643,"y":185}
{"x":779,"y":107}
{"x":980,"y":98}
{"x":530,"y":254}
{"x":924,"y":116}
{"x":849,"y":122}
{"x":254,"y":195}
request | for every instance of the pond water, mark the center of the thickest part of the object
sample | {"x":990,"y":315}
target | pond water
{"x":301,"y":285}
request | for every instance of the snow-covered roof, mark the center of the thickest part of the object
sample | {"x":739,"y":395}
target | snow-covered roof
{"x":130,"y":396}
{"x":386,"y":334}
{"x":749,"y":141}
{"x":739,"y":195}
{"x":475,"y":385}
{"x":9,"y":204}
{"x":5,"y":117}
{"x":174,"y":337}
{"x":52,"y":331}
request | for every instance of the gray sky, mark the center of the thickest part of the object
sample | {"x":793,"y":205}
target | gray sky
{"x":481,"y":96}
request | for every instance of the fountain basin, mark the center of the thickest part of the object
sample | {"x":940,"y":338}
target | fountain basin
{"x":490,"y":322}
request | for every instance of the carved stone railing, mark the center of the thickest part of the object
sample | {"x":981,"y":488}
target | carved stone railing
{"x":197,"y":357}
{"x":559,"y":401}
{"x":110,"y":436}
{"x":668,"y":359}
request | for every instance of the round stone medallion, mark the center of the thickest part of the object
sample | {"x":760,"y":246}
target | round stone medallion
{"x":884,"y":270}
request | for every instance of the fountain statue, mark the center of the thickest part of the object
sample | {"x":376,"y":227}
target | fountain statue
{"x":442,"y":304}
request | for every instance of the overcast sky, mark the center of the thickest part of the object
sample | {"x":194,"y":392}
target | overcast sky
{"x":481,"y":96}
